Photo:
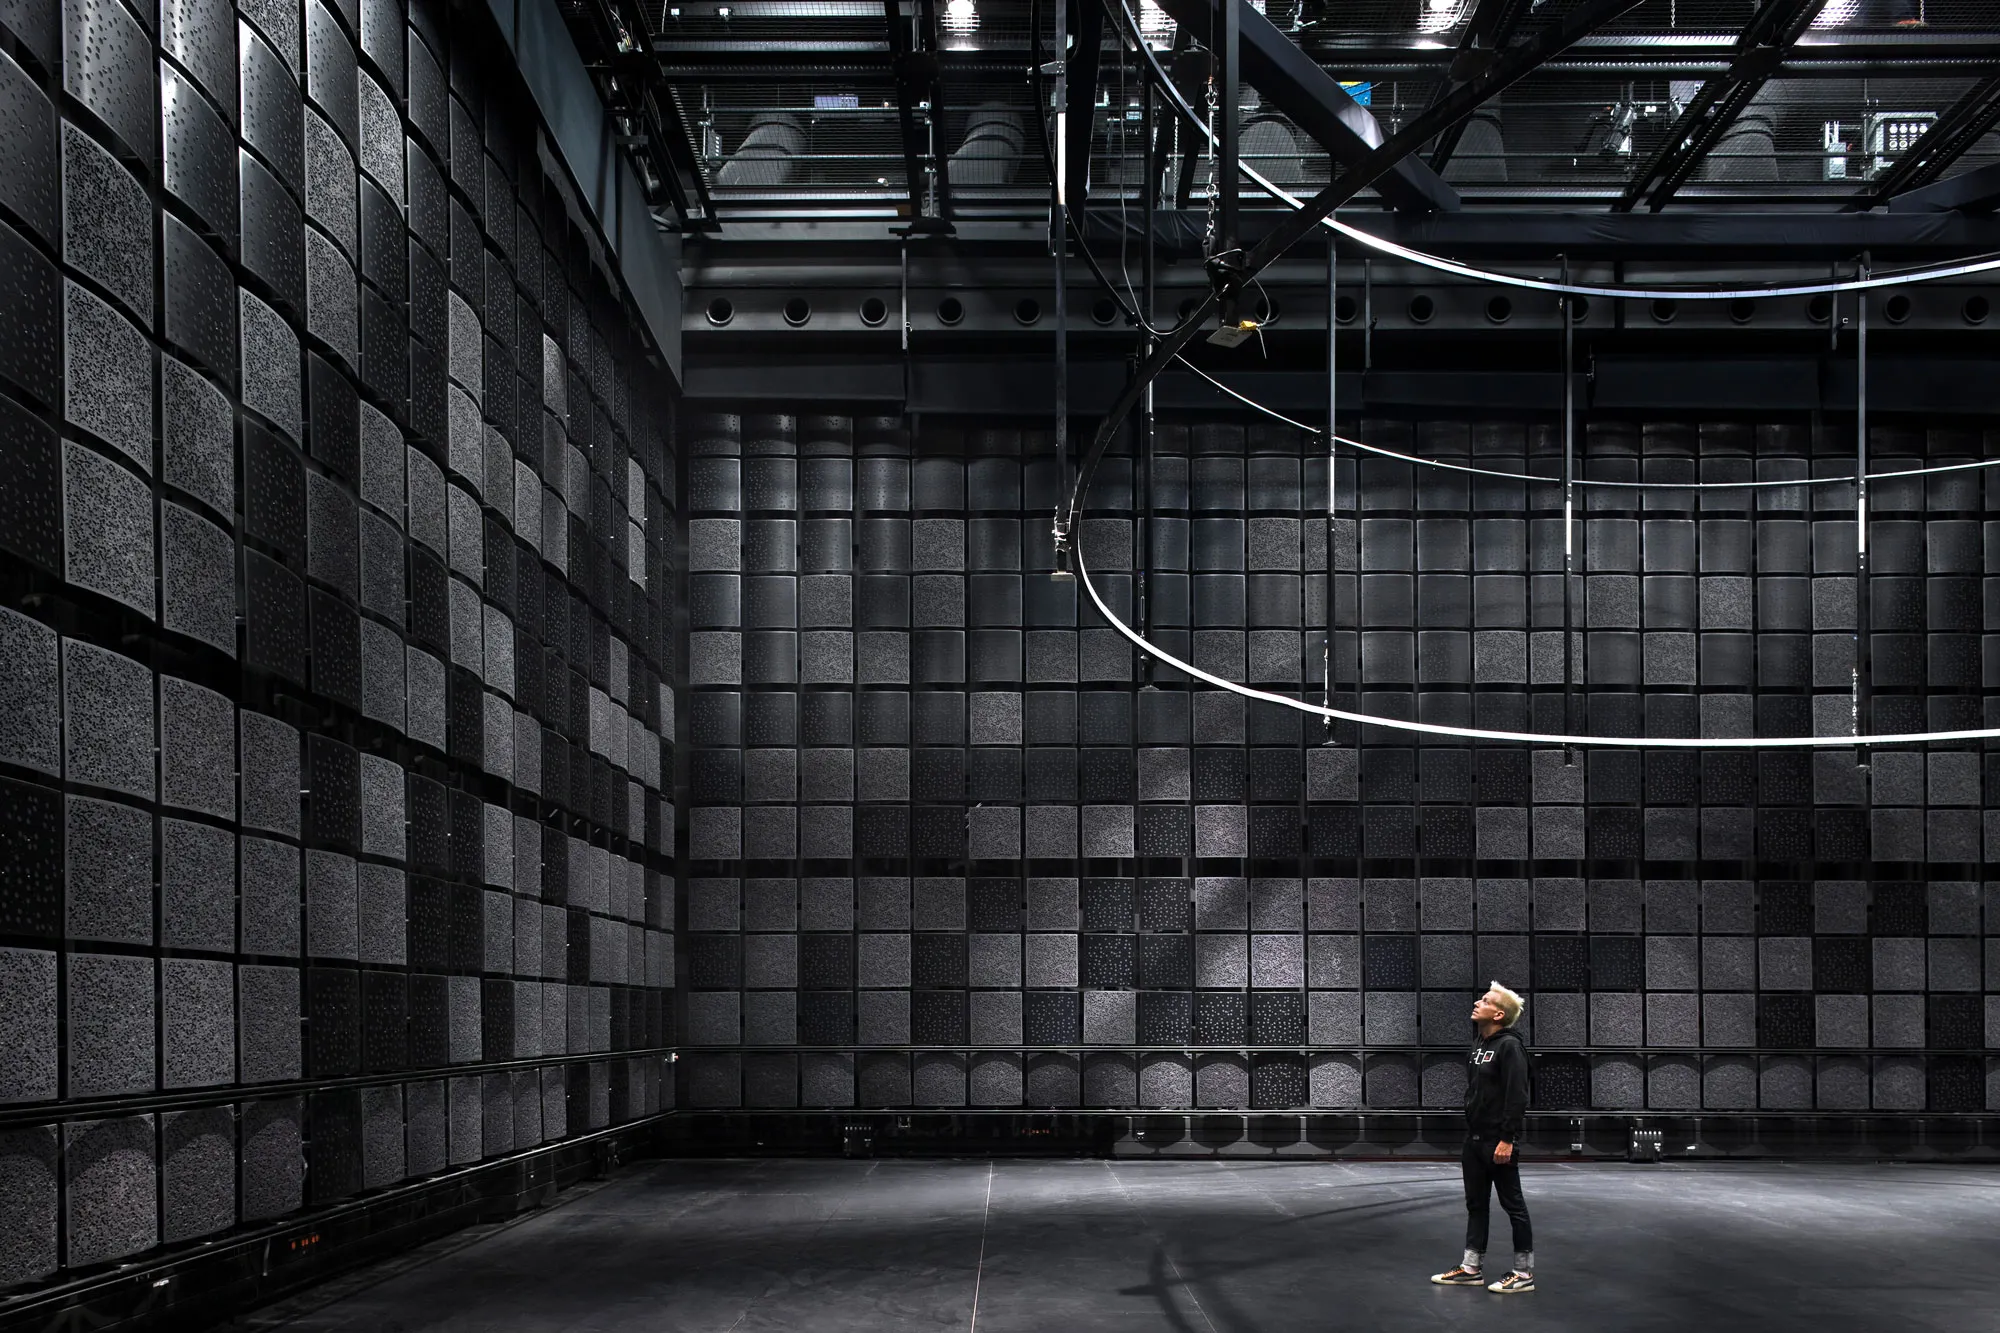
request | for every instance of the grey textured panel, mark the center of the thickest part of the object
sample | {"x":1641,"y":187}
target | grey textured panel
{"x":197,"y":1022}
{"x":28,"y":1238}
{"x":382,"y":813}
{"x":30,"y":699}
{"x":269,"y":752}
{"x":197,"y":1173}
{"x":197,"y":886}
{"x":109,"y":857}
{"x":111,"y":1189}
{"x":382,"y":463}
{"x":332,"y":313}
{"x":426,"y":698}
{"x":197,"y":437}
{"x":273,"y":1175}
{"x":382,"y":1147}
{"x":28,"y":1046}
{"x":329,"y":182}
{"x":268,"y":1025}
{"x":107,"y":529}
{"x":108,"y":709}
{"x":197,"y":748}
{"x":425,"y":1127}
{"x":198,"y":588}
{"x":271,"y":877}
{"x":382,"y":894}
{"x":465,"y":1020}
{"x":108,"y":369}
{"x":270,"y":361}
{"x":107,"y":223}
{"x":382,"y":142}
{"x":382,"y":567}
{"x":466,"y":1120}
{"x":110,"y":1025}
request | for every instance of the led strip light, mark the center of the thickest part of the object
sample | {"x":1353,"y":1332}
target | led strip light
{"x":1847,"y":479}
{"x":1529,"y":737}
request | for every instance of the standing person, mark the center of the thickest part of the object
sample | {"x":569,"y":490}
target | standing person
{"x":1496,"y":1104}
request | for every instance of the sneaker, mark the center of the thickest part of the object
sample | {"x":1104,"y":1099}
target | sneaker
{"x":1513,"y":1284}
{"x":1460,"y":1277}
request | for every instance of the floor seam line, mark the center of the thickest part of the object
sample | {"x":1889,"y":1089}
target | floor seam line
{"x":1161,"y":1241}
{"x":979,"y":1272}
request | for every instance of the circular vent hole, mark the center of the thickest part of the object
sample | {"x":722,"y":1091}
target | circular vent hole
{"x":1820,"y":309}
{"x":720,"y":311}
{"x":1421,"y":309}
{"x":1104,"y":310}
{"x":1896,"y":309}
{"x":1664,"y":310}
{"x":1976,"y":310}
{"x":1742,"y":310}
{"x":797,"y":311}
{"x":1268,"y":309}
{"x":873,"y":311}
{"x":1579,"y":308}
{"x":1344,"y":309}
{"x":950,"y":310}
{"x":1027,"y":310}
{"x":1499,"y":309}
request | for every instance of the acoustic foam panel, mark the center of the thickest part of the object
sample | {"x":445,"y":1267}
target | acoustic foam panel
{"x":197,"y":1173}
{"x":109,"y":719}
{"x":110,"y":1188}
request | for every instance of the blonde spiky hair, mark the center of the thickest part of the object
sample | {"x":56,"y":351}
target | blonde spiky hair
{"x":1511,"y":1005}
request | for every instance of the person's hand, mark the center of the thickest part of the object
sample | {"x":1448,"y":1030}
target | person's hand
{"x":1503,"y":1153}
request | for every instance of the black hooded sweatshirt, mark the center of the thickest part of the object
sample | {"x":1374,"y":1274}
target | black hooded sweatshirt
{"x":1496,"y":1087}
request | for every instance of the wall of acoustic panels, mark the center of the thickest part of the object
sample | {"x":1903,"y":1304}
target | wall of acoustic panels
{"x":953,"y":844}
{"x":335,"y":510}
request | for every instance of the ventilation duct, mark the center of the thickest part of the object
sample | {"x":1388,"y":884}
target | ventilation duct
{"x":1480,"y":157}
{"x":767,"y":156}
{"x":1268,"y":142}
{"x":990,"y":153}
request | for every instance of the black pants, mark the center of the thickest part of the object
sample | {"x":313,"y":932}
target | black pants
{"x":1483,"y":1176}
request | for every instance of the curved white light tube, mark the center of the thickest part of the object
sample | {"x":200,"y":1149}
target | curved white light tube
{"x":1526,"y":737}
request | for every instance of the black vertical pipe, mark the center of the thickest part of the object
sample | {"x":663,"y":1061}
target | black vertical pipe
{"x":1569,"y":516}
{"x":1143,"y":545}
{"x":1332,"y":467}
{"x":1230,"y":45}
{"x":1863,"y":664}
{"x":1059,"y":245}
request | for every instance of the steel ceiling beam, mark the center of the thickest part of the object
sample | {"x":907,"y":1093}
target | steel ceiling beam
{"x":1084,"y":61}
{"x":1759,"y":54}
{"x":1963,"y":124}
{"x":913,"y":60}
{"x":1492,"y":26}
{"x":1819,"y":54}
{"x":1292,"y":83}
{"x":614,"y":47}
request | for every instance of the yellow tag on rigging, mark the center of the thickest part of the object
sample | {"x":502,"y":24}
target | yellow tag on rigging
{"x":1233,"y":337}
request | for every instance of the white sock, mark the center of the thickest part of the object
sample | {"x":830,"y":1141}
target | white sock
{"x":1524,"y":1262}
{"x":1473,"y":1261}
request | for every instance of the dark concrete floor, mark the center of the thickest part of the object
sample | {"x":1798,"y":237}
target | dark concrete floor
{"x":1203,"y":1247}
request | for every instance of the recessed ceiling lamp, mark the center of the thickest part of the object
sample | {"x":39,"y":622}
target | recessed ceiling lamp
{"x":960,"y":16}
{"x":1441,"y":15}
{"x":1837,"y":14}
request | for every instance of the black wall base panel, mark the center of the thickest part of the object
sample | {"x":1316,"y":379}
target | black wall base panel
{"x":210,"y":1286}
{"x":1551,"y":1136}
